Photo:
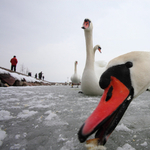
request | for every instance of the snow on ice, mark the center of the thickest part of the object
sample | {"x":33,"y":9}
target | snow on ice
{"x":19,"y":76}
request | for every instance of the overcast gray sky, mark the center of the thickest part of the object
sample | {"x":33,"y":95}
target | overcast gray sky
{"x":46,"y":35}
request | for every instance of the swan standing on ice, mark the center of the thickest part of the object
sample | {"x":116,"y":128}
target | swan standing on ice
{"x":92,"y":70}
{"x":75,"y":78}
{"x":126,"y":77}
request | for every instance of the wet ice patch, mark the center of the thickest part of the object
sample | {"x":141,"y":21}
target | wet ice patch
{"x":5,"y":115}
{"x":2,"y":136}
{"x":126,"y":147}
{"x":122,"y":127}
{"x":26,"y":114}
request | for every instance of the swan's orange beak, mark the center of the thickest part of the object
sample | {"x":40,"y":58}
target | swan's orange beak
{"x":113,"y":104}
{"x":99,"y":50}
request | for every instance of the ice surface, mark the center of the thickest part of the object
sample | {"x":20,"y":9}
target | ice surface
{"x":49,"y":117}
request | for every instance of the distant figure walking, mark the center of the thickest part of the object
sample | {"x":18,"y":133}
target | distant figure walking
{"x":14,"y":62}
{"x":40,"y":75}
{"x":36,"y":75}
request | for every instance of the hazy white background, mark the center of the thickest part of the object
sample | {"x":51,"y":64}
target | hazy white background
{"x":46,"y":35}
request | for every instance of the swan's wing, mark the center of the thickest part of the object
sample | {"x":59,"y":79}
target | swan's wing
{"x":100,"y":67}
{"x":100,"y":63}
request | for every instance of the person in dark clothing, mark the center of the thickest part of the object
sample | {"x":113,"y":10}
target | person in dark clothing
{"x":14,"y":62}
{"x":40,"y":75}
{"x":36,"y":75}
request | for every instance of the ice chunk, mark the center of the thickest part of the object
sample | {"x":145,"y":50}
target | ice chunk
{"x":122,"y":127}
{"x":144,"y":144}
{"x":126,"y":147}
{"x":17,"y":136}
{"x":50,"y":116}
{"x":26,"y":114}
{"x":61,"y":138}
{"x":2,"y":136}
{"x":53,"y":119}
{"x":15,"y":146}
{"x":69,"y":145}
{"x":5,"y":115}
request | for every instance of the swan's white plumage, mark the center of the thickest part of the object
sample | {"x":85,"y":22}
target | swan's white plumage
{"x":140,"y":72}
{"x":92,"y":70}
{"x":75,"y":78}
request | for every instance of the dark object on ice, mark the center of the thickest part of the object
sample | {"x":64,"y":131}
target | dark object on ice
{"x":29,"y":73}
{"x":6,"y":78}
{"x":80,"y":92}
{"x":18,"y":83}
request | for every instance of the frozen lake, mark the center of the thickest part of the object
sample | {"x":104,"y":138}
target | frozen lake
{"x":49,"y":117}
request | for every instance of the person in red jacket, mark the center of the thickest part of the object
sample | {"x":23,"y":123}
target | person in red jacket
{"x":14,"y":62}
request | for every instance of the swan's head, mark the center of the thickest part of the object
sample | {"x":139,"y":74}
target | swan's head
{"x":97,"y":47}
{"x":118,"y":93}
{"x":76,"y":62}
{"x":87,"y":24}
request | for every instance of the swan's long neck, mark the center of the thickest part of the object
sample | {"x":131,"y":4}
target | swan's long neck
{"x":90,"y":57}
{"x":75,"y":68}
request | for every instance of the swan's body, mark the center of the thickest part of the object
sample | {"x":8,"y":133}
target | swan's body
{"x":92,"y":70}
{"x":125,"y":78}
{"x":75,"y":78}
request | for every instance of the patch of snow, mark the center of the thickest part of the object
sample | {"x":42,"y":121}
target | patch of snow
{"x":20,"y":76}
{"x":26,"y":114}
{"x":144,"y":144}
{"x":24,"y":134}
{"x":17,"y":136}
{"x":61,"y":138}
{"x":3,"y":71}
{"x":2,"y":136}
{"x":122,"y":127}
{"x":126,"y":147}
{"x":69,"y":145}
{"x":50,"y":116}
{"x":15,"y":146}
{"x":5,"y":115}
{"x":53,"y":120}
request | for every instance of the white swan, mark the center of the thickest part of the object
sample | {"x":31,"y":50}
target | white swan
{"x":92,"y":71}
{"x":126,"y":77}
{"x":75,"y":78}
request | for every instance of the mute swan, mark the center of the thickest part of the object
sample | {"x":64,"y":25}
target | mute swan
{"x":92,"y":72}
{"x":75,"y":78}
{"x":126,"y":77}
